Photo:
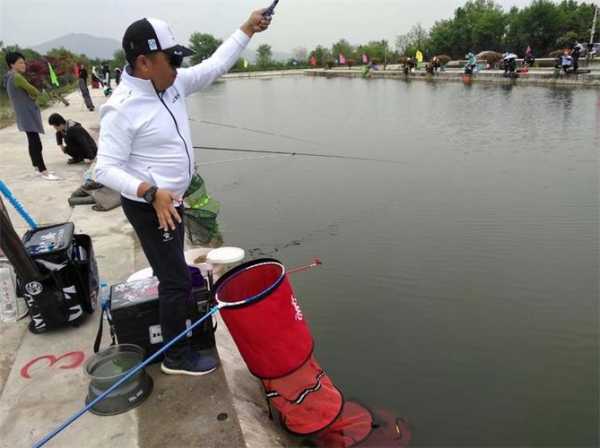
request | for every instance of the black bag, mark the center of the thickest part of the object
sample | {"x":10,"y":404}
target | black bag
{"x":133,"y":317}
{"x":69,"y":277}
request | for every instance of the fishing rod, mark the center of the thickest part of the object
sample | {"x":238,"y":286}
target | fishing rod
{"x":301,"y":154}
{"x":20,"y":208}
{"x":256,"y":131}
{"x":271,"y":9}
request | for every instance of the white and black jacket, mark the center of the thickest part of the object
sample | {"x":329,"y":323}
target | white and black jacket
{"x":145,"y":136}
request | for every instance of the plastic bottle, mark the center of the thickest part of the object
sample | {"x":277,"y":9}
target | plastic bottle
{"x":8,"y":294}
{"x":88,"y":176}
{"x":104,"y":294}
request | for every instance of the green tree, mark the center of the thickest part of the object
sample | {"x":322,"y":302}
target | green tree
{"x":576,"y":18}
{"x":63,"y":61}
{"x":537,"y":25}
{"x":300,"y":54}
{"x":322,"y":55}
{"x":443,"y":38}
{"x":264,"y":56}
{"x":342,"y":47}
{"x":27,"y":52}
{"x":204,"y":45}
{"x":416,"y":39}
{"x":118,"y":59}
{"x":566,"y":40}
{"x":239,"y":66}
{"x":377,"y":50}
{"x":478,"y":25}
{"x":3,"y":67}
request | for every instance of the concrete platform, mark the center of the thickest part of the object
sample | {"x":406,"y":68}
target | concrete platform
{"x":41,"y":379}
{"x":534,"y":77}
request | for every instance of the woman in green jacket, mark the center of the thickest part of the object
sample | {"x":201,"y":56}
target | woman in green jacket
{"x":29,"y":118}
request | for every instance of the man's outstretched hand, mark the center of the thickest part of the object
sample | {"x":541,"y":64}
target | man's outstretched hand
{"x":256,"y":23}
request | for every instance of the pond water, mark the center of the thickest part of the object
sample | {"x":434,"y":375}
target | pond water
{"x":460,"y":279}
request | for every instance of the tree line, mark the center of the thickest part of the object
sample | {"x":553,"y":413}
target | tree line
{"x":476,"y":26}
{"x":482,"y":25}
{"x":63,"y":62}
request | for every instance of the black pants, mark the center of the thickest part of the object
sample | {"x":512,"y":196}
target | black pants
{"x":85,"y":92}
{"x":77,"y":153}
{"x":164,"y":251}
{"x":35,"y":151}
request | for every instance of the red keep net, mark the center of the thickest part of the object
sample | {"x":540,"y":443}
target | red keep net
{"x":354,"y":425}
{"x":307,"y":400}
{"x":359,"y":427}
{"x":389,"y":431}
{"x":270,"y":330}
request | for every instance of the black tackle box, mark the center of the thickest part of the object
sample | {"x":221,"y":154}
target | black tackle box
{"x":134,"y":311}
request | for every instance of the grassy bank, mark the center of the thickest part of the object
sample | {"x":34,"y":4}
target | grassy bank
{"x":6,"y":113}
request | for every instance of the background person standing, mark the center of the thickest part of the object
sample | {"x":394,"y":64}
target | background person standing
{"x":29,"y":118}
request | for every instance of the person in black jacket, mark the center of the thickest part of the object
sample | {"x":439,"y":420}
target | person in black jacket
{"x":73,"y":139}
{"x":576,"y":52}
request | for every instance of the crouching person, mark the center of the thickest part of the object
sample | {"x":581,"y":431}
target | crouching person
{"x":73,"y":139}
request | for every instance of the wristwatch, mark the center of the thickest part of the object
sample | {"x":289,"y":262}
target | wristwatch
{"x":150,"y":194}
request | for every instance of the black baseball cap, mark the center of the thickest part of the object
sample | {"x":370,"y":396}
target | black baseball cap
{"x":150,"y":35}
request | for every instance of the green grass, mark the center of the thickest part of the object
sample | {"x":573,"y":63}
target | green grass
{"x":6,"y":113}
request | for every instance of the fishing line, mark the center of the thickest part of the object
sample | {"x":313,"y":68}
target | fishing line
{"x":217,"y":162}
{"x":300,"y":154}
{"x":256,"y":131}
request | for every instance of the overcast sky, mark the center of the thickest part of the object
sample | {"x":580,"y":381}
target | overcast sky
{"x":297,"y":23}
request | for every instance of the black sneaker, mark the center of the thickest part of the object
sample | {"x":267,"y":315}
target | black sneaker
{"x":190,"y":363}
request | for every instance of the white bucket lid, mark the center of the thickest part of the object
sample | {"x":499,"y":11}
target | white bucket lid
{"x":140,"y":275}
{"x":225,"y":255}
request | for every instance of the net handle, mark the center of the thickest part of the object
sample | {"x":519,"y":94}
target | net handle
{"x":255,"y":297}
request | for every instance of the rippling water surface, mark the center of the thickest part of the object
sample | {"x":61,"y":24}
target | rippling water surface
{"x":460,"y":283}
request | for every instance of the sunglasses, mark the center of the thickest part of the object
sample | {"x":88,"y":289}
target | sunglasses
{"x":175,"y":59}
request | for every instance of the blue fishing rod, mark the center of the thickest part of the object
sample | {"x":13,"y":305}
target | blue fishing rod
{"x":20,"y":208}
{"x":131,"y":373}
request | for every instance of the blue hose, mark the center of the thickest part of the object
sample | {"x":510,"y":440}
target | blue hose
{"x":130,"y":374}
{"x":10,"y":197}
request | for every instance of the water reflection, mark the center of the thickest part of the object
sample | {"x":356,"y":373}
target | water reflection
{"x":562,"y":99}
{"x":451,"y":285}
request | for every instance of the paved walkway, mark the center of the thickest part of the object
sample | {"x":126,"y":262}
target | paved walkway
{"x":36,"y":396}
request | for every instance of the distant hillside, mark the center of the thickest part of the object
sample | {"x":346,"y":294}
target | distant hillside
{"x":91,"y":46}
{"x":103,"y":48}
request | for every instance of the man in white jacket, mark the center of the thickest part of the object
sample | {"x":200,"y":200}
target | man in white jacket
{"x":145,"y":152}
